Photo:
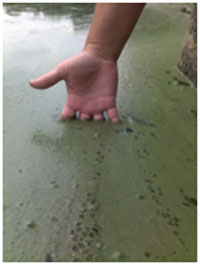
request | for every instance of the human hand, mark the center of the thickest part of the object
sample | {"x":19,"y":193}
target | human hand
{"x":91,"y":85}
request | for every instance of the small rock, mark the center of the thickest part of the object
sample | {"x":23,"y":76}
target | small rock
{"x":96,"y":135}
{"x":98,"y":245}
{"x":91,"y":206}
{"x":194,"y":112}
{"x":130,"y":120}
{"x":116,"y":255}
{"x":31,"y":225}
{"x":75,"y":185}
{"x":186,"y":9}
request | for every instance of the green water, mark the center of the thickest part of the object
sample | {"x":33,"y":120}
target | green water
{"x":97,"y":191}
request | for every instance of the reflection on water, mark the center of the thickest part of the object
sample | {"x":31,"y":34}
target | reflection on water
{"x":45,"y":18}
{"x":79,"y":14}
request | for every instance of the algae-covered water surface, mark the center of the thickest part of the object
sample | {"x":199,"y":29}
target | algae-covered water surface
{"x":98,"y":191}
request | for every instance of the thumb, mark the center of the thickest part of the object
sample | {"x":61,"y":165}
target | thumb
{"x":46,"y":80}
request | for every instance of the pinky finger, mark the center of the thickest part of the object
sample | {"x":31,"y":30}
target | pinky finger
{"x":113,"y":114}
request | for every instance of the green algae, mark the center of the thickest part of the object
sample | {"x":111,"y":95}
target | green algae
{"x":131,"y":187}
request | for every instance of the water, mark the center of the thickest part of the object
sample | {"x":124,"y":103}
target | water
{"x":97,"y":191}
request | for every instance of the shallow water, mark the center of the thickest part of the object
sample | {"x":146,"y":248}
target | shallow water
{"x":97,"y":191}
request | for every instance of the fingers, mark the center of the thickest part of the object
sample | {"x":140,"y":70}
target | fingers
{"x":67,"y":112}
{"x":84,"y":116}
{"x":47,"y":80}
{"x":113,"y":114}
{"x":98,"y":117}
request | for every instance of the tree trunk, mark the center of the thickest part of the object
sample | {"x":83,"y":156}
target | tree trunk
{"x":188,"y":59}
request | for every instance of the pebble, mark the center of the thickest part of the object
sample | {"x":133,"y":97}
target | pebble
{"x":96,"y":135}
{"x":116,"y":255}
{"x":98,"y":245}
{"x":75,"y":185}
{"x":91,"y":206}
{"x":31,"y":225}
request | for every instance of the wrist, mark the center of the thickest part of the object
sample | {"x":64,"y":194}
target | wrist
{"x":101,"y":51}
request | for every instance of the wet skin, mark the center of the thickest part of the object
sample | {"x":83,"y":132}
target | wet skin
{"x":91,"y":84}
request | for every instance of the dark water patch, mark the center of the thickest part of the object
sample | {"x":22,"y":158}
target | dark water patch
{"x":193,"y":112}
{"x":48,"y":257}
{"x":147,"y":254}
{"x":95,"y":229}
{"x":188,"y":200}
{"x":181,"y":190}
{"x":75,"y":248}
{"x":54,"y":219}
{"x":191,"y":200}
{"x":185,"y":204}
{"x":141,"y":197}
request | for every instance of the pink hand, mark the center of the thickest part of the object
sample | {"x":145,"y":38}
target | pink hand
{"x":91,"y":85}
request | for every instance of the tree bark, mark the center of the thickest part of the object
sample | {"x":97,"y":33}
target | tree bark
{"x":188,"y":59}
